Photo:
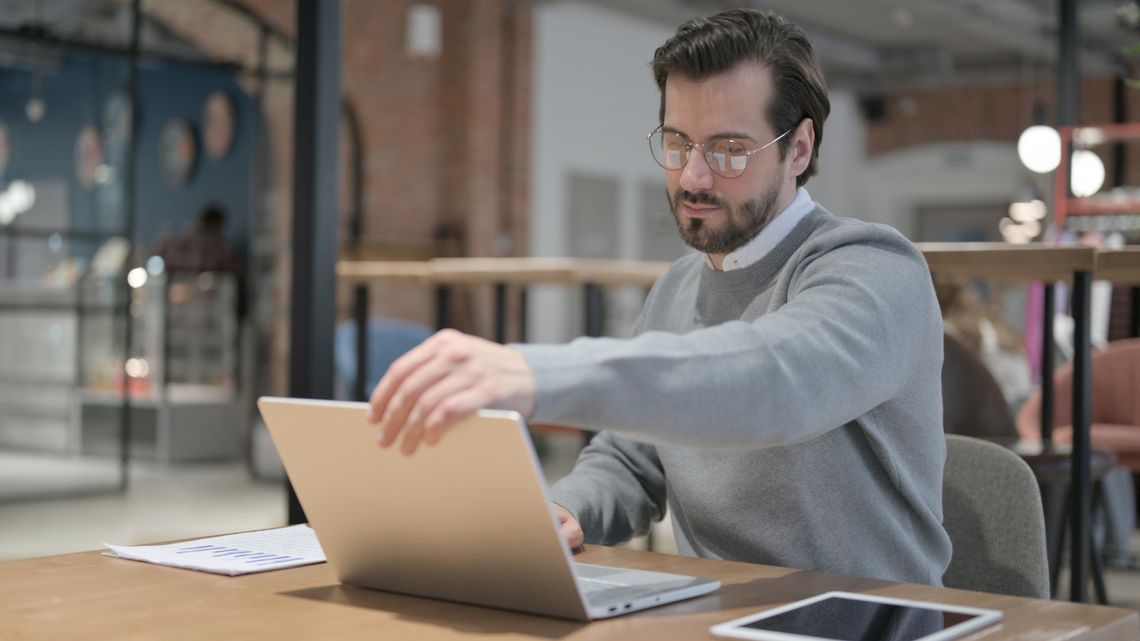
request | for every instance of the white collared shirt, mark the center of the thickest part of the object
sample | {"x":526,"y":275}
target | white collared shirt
{"x":770,"y":236}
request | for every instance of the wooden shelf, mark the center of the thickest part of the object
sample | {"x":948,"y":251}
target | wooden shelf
{"x":399,"y":271}
{"x":1121,"y":266}
{"x":1102,"y":207}
{"x":1003,"y":261}
{"x":1083,"y":137}
{"x":516,"y":271}
{"x":997,"y":261}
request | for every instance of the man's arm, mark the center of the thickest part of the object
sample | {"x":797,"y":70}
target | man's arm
{"x":860,"y":322}
{"x":617,"y":489}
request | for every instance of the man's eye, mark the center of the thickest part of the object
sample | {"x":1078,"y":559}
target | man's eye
{"x":728,"y":148}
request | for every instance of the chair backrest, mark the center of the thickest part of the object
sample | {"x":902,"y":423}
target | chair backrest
{"x":1115,"y":391}
{"x":388,"y":340}
{"x":991,"y":508}
{"x":972,"y":402}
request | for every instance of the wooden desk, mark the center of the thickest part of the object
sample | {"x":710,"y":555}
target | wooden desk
{"x":92,"y":597}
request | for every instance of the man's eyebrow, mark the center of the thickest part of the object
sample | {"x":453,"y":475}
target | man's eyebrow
{"x":720,"y":134}
{"x":732,"y":134}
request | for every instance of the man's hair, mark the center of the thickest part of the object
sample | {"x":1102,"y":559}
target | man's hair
{"x":704,"y":47}
{"x":213,"y":218}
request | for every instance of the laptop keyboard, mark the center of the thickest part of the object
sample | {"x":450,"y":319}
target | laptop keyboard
{"x":604,"y":592}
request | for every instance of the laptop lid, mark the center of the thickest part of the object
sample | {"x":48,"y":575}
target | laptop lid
{"x":487,"y":536}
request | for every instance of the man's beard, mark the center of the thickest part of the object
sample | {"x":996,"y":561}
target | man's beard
{"x":739,"y":224}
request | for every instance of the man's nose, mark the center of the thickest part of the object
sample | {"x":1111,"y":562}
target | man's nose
{"x":696,"y":175}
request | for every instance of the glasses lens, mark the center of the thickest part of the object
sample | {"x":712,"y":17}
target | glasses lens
{"x":726,"y":157}
{"x":670,"y":150}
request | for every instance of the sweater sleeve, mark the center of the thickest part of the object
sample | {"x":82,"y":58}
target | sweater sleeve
{"x":859,"y":319}
{"x":616,"y":490}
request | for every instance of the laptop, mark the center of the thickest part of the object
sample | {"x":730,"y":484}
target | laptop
{"x":467,"y":520}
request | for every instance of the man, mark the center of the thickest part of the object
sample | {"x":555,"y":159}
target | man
{"x":782,"y":394}
{"x":203,"y":248}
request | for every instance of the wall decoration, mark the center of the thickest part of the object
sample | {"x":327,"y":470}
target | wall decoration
{"x":178,"y":151}
{"x":219,"y":124}
{"x":88,"y":155}
{"x":5,"y":148}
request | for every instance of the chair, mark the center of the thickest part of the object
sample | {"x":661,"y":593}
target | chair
{"x":1115,"y":414}
{"x":991,"y":509}
{"x":388,"y":340}
{"x":973,"y":405}
{"x":972,"y":402}
{"x":1115,"y":406}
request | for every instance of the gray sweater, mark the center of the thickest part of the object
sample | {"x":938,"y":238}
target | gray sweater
{"x":790,"y":412}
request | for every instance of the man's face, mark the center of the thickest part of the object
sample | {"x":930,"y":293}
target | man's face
{"x":716,"y":215}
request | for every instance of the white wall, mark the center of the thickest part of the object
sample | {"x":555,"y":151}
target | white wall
{"x":594,"y":101}
{"x":840,"y":185}
{"x":942,"y":174}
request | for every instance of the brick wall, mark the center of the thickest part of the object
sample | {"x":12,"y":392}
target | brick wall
{"x":992,"y":113}
{"x":445,"y":140}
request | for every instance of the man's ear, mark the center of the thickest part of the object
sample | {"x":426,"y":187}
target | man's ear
{"x":803,"y":141}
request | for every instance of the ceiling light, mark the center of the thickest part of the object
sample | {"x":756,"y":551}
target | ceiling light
{"x":1026,"y":211}
{"x":136,"y":278}
{"x":1039,"y":149}
{"x":1087,"y":173}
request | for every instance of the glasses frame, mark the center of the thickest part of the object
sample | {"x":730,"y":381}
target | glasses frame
{"x":689,"y":145}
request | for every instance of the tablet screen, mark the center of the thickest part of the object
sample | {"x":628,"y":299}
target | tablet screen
{"x":853,"y":620}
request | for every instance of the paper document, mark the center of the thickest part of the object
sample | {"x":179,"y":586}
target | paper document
{"x":233,"y":554}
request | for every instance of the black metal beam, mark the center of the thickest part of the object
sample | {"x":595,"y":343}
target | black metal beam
{"x":442,"y":307}
{"x":1047,"y":368}
{"x":1134,"y":321}
{"x":1082,"y":449}
{"x":361,"y":296}
{"x":595,"y":301}
{"x":1120,"y":116}
{"x":502,"y":309}
{"x":316,"y":159}
{"x":1068,"y":90}
{"x":523,"y":300}
{"x":129,"y":211}
{"x":360,"y":391}
{"x":1068,"y":71}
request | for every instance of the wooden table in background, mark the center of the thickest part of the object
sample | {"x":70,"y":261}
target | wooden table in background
{"x":91,"y":597}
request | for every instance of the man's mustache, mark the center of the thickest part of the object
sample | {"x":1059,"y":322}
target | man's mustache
{"x":696,"y":198}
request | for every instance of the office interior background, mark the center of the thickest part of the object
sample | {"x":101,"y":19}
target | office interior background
{"x":146,"y":205}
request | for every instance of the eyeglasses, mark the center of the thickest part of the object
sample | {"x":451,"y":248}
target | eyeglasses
{"x":726,"y":157}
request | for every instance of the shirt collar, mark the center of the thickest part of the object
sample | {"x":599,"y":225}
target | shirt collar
{"x":764,"y":242}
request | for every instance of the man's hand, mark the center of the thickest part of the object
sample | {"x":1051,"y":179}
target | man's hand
{"x":569,"y":528}
{"x":444,"y":380}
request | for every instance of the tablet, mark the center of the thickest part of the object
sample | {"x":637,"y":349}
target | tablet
{"x":846,"y":616}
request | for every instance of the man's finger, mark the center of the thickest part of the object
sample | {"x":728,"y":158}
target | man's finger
{"x":407,"y":397}
{"x":412,"y":436}
{"x":572,"y":533}
{"x":454,"y":408}
{"x":397,"y":372}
